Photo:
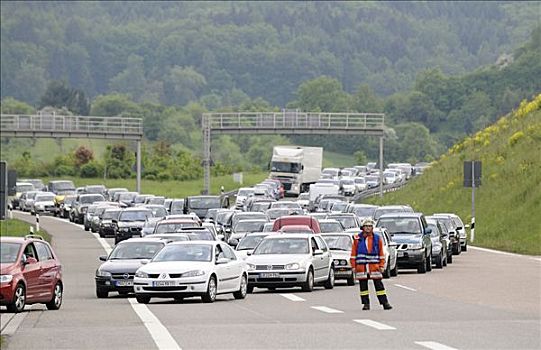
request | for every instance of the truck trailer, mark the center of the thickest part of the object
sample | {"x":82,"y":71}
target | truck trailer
{"x":296,"y":167}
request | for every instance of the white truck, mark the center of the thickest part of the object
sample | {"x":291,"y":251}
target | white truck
{"x":296,"y":167}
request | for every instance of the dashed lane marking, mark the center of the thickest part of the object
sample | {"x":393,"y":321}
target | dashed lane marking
{"x":327,"y":310}
{"x":376,"y":325}
{"x":292,"y":297}
{"x":434,"y":345}
{"x":404,"y":287}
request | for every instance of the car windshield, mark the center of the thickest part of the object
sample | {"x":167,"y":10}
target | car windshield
{"x":277,"y":205}
{"x":69,"y":200}
{"x":135,"y":215}
{"x":268,"y":227}
{"x":9,"y":252}
{"x":158,"y":212}
{"x":126,"y":196}
{"x":199,"y":235}
{"x":372,"y":178}
{"x":204,"y":203}
{"x":346,"y":221}
{"x":45,"y":198}
{"x":91,"y":199}
{"x":140,"y":199}
{"x":249,"y":242}
{"x":338,"y":206}
{"x":177,"y":205}
{"x":359,"y":180}
{"x":283,"y":246}
{"x":304,"y":196}
{"x":261,"y":206}
{"x":249,"y":226}
{"x":398,"y":226}
{"x":276,"y":213}
{"x":65,"y":185}
{"x":380,"y":212}
{"x":185,"y":252}
{"x":364,"y":212}
{"x":245,"y":193}
{"x":95,"y":189}
{"x":285,"y":167}
{"x":347,"y":182}
{"x":25,"y":188}
{"x":174,"y":227}
{"x":339,"y":242}
{"x":435,"y":232}
{"x":135,"y":250}
{"x":157,"y":200}
{"x":223,"y":217}
{"x":331,"y":227}
{"x":111,"y":214}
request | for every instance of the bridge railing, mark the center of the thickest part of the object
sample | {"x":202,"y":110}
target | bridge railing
{"x":58,"y":123}
{"x":293,"y":120}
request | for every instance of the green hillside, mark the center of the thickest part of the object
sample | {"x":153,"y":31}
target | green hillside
{"x":508,"y":203}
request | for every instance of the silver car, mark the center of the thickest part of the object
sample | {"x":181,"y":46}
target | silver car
{"x":292,"y":260}
{"x":340,"y":244}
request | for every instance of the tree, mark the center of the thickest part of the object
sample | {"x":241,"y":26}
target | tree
{"x":360,"y":157}
{"x":59,"y":95}
{"x":323,"y":94}
{"x":10,"y":105}
{"x":365,"y":101}
{"x":113,"y":105}
{"x":183,"y":84}
{"x":82,"y":155}
{"x":131,"y":81}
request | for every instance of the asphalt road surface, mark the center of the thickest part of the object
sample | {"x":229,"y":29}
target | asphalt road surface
{"x":484,"y":300}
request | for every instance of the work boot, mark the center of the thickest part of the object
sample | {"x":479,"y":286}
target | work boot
{"x":387,"y":306}
{"x":366,"y":306}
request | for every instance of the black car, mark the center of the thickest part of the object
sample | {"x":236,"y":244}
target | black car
{"x":106,"y":227}
{"x":411,"y":233}
{"x":439,"y":243}
{"x":117,"y":272}
{"x":130,"y":223}
{"x":201,"y":204}
{"x":451,"y":236}
{"x":454,"y":235}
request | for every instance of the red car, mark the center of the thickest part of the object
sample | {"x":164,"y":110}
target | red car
{"x":305,"y":220}
{"x":30,"y":273}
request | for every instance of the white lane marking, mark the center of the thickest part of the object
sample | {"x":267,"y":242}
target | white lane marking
{"x":327,"y":310}
{"x":376,"y":325}
{"x":434,"y":345}
{"x":502,"y":253}
{"x":408,"y":288}
{"x":536,"y":259}
{"x":157,"y":330}
{"x":13,"y":324}
{"x":292,"y":297}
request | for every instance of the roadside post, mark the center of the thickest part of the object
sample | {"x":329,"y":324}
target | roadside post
{"x":37,"y":222}
{"x":472,"y":178}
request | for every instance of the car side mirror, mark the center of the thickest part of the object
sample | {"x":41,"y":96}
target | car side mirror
{"x":249,"y":253}
{"x":222,"y":261}
{"x":103,"y":257}
{"x":233,"y":242}
{"x":114,"y":221}
{"x":29,"y":260}
{"x":145,"y":261}
{"x":428,"y":231}
{"x":318,"y":252}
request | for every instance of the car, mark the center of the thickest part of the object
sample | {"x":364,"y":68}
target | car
{"x":201,"y":204}
{"x":386,"y":209}
{"x":292,"y":260}
{"x":130,"y":223}
{"x":37,"y":183}
{"x":439,"y":243}
{"x":454,"y":234}
{"x":81,"y":204}
{"x":118,"y":268}
{"x":30,"y":273}
{"x":192,"y":268}
{"x":64,"y":206}
{"x":43,"y":204}
{"x":110,"y":193}
{"x":360,"y":183}
{"x":304,"y":200}
{"x":20,"y":188}
{"x":390,"y":252}
{"x":340,"y":244}
{"x":175,"y":225}
{"x":177,"y":206}
{"x":412,"y":234}
{"x":297,"y":220}
{"x":363,"y":211}
{"x":448,"y":234}
{"x":242,"y":194}
{"x":348,"y":220}
{"x":348,"y":187}
{"x":127,"y":198}
{"x":156,"y":200}
{"x":96,"y":189}
{"x":106,"y":227}
{"x":244,"y":227}
{"x":330,"y":226}
{"x":459,"y":226}
{"x":27,"y":199}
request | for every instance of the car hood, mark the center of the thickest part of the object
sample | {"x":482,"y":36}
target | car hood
{"x":131,"y":223}
{"x":243,"y":254}
{"x":122,"y":265}
{"x":175,"y":266}
{"x":7,"y":268}
{"x":44,"y":203}
{"x":341,"y":254}
{"x":282,"y":259}
{"x":400,"y":238}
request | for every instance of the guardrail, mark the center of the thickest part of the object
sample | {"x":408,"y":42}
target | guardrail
{"x":375,"y":191}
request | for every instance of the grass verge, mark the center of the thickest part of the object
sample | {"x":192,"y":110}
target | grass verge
{"x":19,"y":228}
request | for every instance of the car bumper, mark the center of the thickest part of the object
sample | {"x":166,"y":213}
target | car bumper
{"x":276,"y":279}
{"x":112,"y":285}
{"x":6,"y":293}
{"x":107,"y":230}
{"x":343,"y":272}
{"x":410,"y":257}
{"x":157,"y":288}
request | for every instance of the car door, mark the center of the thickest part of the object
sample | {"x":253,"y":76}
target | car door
{"x":327,"y":255}
{"x":234,"y":267}
{"x":48,"y":270}
{"x":31,"y":273}
{"x":223,"y":271}
{"x":317,"y":260}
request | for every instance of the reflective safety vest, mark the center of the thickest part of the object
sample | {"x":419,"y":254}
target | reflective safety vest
{"x":365,"y":257}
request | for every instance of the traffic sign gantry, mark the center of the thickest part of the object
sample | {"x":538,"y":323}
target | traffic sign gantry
{"x":289,"y":123}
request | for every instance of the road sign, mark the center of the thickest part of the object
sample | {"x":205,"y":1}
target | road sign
{"x":3,"y":189}
{"x":12,"y":182}
{"x":472,"y":172}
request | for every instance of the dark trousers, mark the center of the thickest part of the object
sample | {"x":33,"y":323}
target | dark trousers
{"x":380,"y":291}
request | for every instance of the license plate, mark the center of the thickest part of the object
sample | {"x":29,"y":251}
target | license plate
{"x":163,"y":283}
{"x":124,"y":283}
{"x":400,"y":254}
{"x":269,"y":275}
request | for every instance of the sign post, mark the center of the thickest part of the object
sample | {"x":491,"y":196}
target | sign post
{"x":472,"y":178}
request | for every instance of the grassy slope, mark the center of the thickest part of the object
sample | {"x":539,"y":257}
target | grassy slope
{"x":19,"y":228}
{"x":508,"y":203}
{"x":337,"y":160}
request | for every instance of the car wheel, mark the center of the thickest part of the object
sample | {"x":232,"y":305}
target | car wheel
{"x":457,"y":248}
{"x":56,"y":301}
{"x":19,"y":299}
{"x":422,"y":266}
{"x":250,"y":289}
{"x":101,"y":293}
{"x":179,"y":299}
{"x":394,"y":272}
{"x":429,"y":262}
{"x":387,"y":272}
{"x":101,"y":234}
{"x":308,"y":286}
{"x":241,"y":293}
{"x":439,"y":262}
{"x":210,"y":295}
{"x":87,"y":228}
{"x":329,"y":284}
{"x":450,"y":258}
{"x":351,"y":280}
{"x":142,"y":299}
{"x":465,"y":247}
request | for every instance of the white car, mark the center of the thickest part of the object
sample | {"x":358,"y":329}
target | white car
{"x":242,"y":194}
{"x":43,"y":203}
{"x":291,"y":260}
{"x":192,"y":268}
{"x":360,"y":184}
{"x":340,"y":244}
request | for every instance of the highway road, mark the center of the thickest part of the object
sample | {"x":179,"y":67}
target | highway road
{"x":484,"y":300}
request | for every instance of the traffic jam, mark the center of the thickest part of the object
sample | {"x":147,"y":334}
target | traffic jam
{"x":204,"y":246}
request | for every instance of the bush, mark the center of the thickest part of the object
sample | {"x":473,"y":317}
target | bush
{"x":64,"y":170}
{"x":150,"y":177}
{"x":515,"y":138}
{"x":91,"y":169}
{"x":164,"y":175}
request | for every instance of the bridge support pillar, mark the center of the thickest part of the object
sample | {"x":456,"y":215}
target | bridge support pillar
{"x":381,"y":166}
{"x":138,"y":168}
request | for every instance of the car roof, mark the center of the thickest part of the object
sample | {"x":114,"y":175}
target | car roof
{"x":328,"y":221}
{"x":141,"y":240}
{"x":291,"y":235}
{"x":401,"y":215}
{"x":195,"y":242}
{"x":344,"y":233}
{"x":17,"y":239}
{"x":137,"y":209}
{"x":178,"y":221}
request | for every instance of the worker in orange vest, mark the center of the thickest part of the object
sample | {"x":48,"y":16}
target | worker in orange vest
{"x":368,"y":260}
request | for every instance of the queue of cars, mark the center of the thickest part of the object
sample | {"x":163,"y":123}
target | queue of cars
{"x":165,"y":249}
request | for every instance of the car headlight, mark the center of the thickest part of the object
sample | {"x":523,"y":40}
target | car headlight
{"x":40,"y":206}
{"x":293,"y":266}
{"x":251,"y":267}
{"x":100,"y":273}
{"x":193,"y":273}
{"x":6,"y":278}
{"x":415,"y":246}
{"x":84,"y":209}
{"x":141,"y":274}
{"x":123,"y":229}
